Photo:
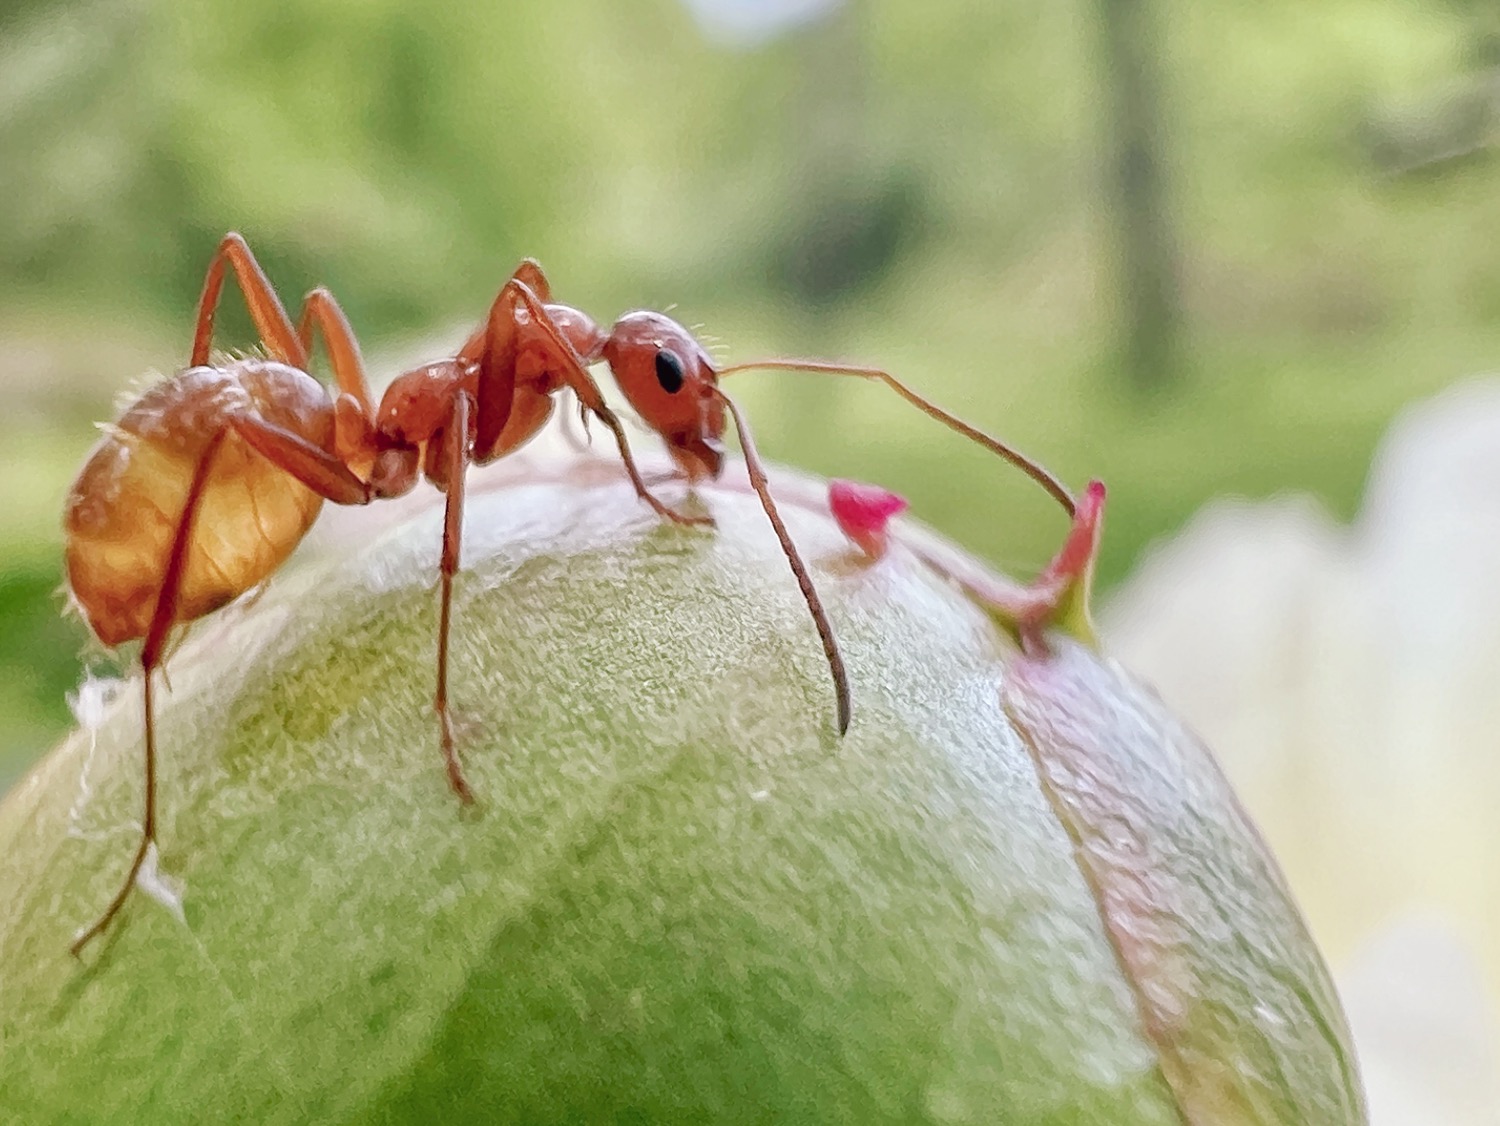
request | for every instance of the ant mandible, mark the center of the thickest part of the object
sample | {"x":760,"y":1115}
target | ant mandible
{"x":248,"y":449}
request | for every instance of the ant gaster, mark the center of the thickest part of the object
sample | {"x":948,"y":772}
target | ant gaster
{"x":206,"y":483}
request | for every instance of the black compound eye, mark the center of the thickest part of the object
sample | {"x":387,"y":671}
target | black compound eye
{"x":669,"y":371}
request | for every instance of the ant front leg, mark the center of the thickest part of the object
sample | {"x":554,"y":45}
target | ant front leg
{"x":266,"y":311}
{"x":495,"y":348}
{"x":762,"y":487}
{"x":518,"y":322}
{"x":612,"y":421}
{"x":529,"y":273}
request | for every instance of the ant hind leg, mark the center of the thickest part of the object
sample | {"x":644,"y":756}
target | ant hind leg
{"x":157,"y":634}
{"x":321,"y":309}
{"x":271,"y":322}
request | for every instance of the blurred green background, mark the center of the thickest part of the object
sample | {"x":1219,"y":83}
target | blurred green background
{"x":1193,"y":247}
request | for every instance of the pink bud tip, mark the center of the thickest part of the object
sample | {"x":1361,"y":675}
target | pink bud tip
{"x":1082,"y":544}
{"x":863,"y":511}
{"x":1092,"y":504}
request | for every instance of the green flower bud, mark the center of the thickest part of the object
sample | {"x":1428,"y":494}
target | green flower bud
{"x":1016,"y":892}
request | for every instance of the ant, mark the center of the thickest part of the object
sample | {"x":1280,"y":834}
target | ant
{"x":206,"y":483}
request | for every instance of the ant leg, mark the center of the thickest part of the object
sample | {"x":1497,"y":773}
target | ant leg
{"x":506,"y":327}
{"x":271,"y":322}
{"x":581,"y":443}
{"x":494,"y":347}
{"x":354,"y":405}
{"x":327,"y":476}
{"x":162,"y":619}
{"x":354,"y":438}
{"x":454,"y":460}
{"x":529,"y":273}
{"x":804,"y":579}
{"x":612,"y":421}
{"x":1027,"y":465}
{"x":321,"y":309}
{"x":313,"y":466}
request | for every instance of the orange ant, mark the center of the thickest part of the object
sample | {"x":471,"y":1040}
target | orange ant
{"x":248,"y":449}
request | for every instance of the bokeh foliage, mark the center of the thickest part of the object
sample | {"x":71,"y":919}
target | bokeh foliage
{"x":914,"y":185}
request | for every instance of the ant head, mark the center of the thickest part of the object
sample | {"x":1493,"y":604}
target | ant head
{"x":670,"y":381}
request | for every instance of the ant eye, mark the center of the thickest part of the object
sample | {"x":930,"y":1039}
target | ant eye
{"x":669,"y":372}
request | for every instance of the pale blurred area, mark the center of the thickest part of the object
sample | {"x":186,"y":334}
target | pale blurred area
{"x":1348,"y":677}
{"x":1197,"y":248}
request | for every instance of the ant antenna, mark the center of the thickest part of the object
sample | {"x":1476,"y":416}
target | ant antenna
{"x":759,"y":483}
{"x":1027,"y":465}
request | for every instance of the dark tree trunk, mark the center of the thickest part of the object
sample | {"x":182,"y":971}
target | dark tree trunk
{"x":1144,"y":245}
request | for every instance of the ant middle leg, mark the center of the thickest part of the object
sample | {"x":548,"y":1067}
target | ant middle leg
{"x":453,"y":460}
{"x":326,"y":475}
